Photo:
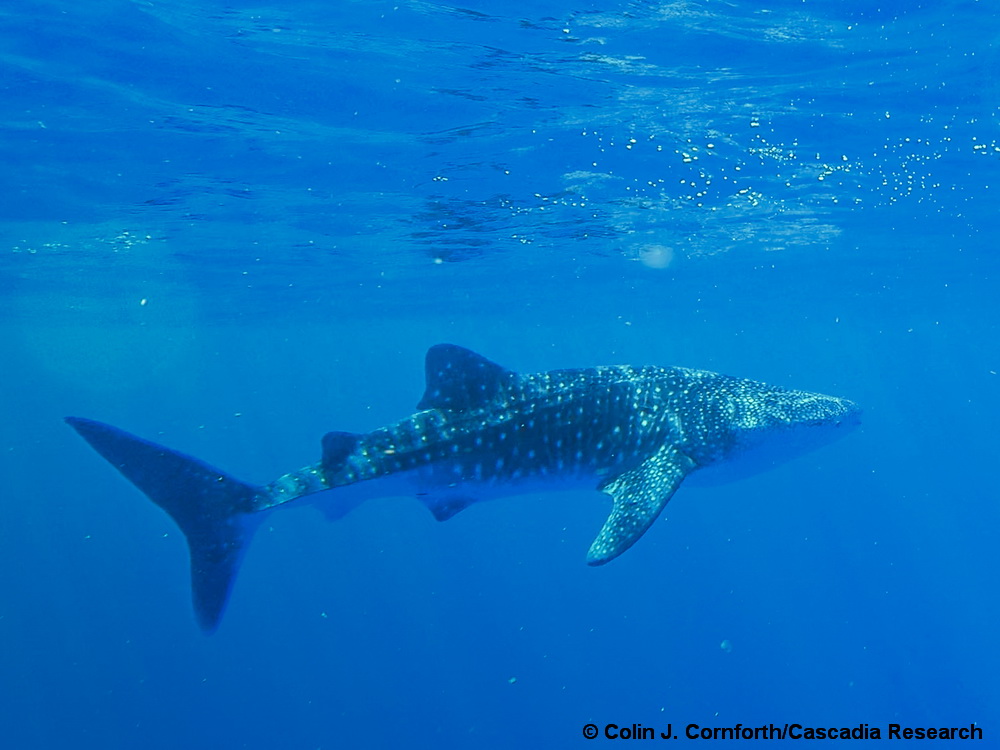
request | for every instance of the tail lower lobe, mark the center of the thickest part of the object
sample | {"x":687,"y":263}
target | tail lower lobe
{"x":211,"y":508}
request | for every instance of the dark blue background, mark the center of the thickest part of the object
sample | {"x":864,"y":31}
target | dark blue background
{"x":231,"y":229}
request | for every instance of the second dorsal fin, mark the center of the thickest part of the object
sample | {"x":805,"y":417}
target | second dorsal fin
{"x":458,"y":379}
{"x":337,"y":447}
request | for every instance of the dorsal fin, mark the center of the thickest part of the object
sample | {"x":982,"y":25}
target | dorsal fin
{"x":337,"y":446}
{"x":458,"y":379}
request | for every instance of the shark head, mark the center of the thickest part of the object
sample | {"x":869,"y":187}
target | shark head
{"x":768,"y":426}
{"x":767,"y":408}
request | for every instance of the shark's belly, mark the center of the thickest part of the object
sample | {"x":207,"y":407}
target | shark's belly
{"x":758,"y":452}
{"x":445,"y":490}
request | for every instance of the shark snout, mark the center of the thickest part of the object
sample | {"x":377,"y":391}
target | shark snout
{"x":850,"y":414}
{"x":830,"y":412}
{"x":837,"y":418}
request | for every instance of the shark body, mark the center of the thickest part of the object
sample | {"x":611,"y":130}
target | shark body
{"x":483,"y":431}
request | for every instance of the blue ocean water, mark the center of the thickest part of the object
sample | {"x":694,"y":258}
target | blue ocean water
{"x":232,"y":228}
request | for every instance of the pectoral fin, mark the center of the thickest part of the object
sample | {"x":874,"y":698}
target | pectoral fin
{"x":639,"y":495}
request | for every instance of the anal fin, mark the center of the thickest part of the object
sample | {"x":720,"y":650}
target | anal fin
{"x":638,"y":495}
{"x":445,"y":506}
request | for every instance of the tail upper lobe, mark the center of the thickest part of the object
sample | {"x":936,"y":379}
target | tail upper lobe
{"x":211,"y":508}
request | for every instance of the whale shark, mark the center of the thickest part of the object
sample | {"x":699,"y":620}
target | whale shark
{"x":483,"y":431}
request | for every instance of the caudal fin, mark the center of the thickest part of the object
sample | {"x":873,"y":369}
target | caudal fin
{"x":212,"y":509}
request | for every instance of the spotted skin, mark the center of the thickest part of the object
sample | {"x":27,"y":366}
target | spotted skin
{"x":483,"y":431}
{"x":634,"y":433}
